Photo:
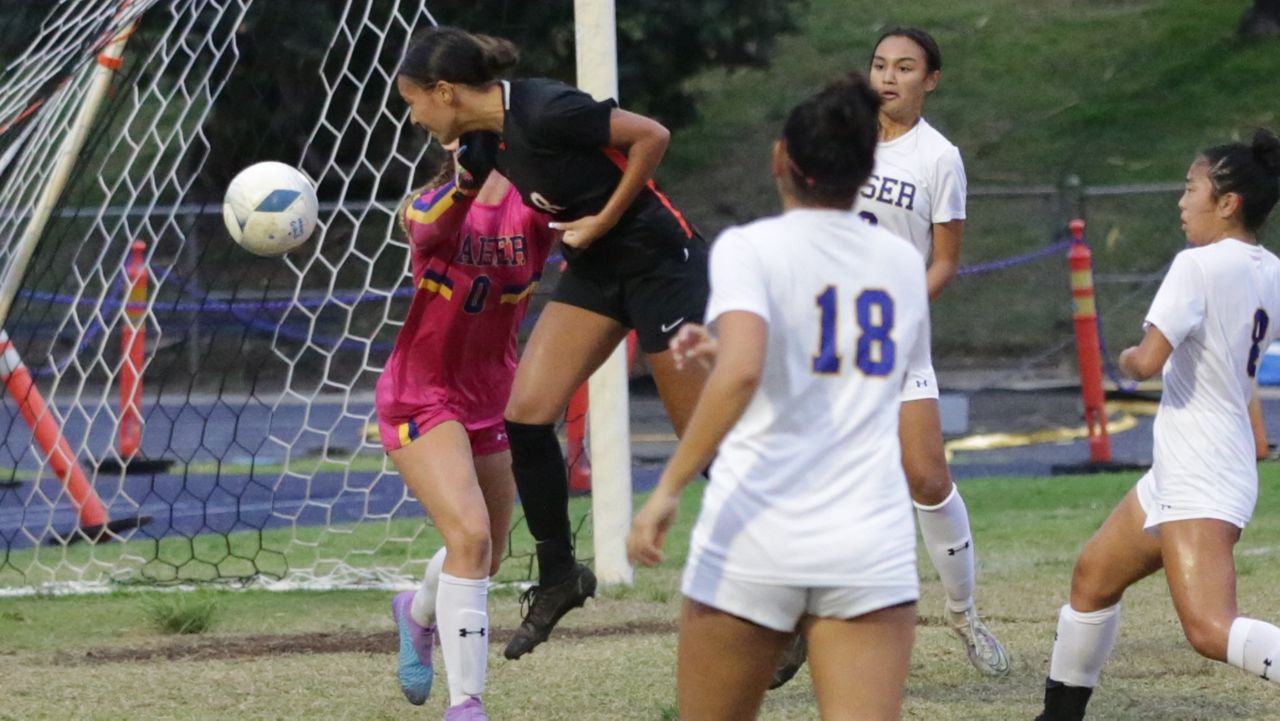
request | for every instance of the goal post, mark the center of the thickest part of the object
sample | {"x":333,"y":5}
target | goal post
{"x":608,"y":415}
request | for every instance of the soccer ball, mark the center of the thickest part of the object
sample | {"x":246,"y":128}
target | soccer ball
{"x":270,"y":208}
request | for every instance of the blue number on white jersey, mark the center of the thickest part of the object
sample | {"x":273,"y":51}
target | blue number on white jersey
{"x":1260,"y":323}
{"x":876,"y":350}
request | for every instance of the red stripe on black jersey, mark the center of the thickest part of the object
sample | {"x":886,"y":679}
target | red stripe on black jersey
{"x":620,"y":160}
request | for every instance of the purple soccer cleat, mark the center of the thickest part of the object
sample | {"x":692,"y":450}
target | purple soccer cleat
{"x":414,"y":672}
{"x":470,"y":710}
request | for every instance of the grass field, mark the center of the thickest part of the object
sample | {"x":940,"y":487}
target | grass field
{"x":330,"y":655}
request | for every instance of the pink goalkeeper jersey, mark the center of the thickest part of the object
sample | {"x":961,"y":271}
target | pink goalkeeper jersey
{"x":474,"y":268}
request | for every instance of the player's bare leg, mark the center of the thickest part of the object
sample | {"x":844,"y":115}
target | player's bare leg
{"x":679,"y":389}
{"x":1201,"y":571}
{"x":567,"y":345}
{"x":944,"y":526}
{"x":438,"y":468}
{"x":859,"y":666}
{"x":493,"y":471}
{"x":1119,"y":555}
{"x":724,"y":664}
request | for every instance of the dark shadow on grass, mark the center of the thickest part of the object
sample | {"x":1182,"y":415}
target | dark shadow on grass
{"x":239,"y":647}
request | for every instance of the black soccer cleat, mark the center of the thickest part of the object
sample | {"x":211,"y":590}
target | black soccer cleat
{"x":793,"y":657}
{"x":544,"y":606}
{"x":1063,"y":702}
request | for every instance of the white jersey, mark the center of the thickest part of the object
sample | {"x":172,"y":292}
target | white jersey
{"x":1218,"y":306}
{"x":808,"y":487}
{"x":918,"y":180}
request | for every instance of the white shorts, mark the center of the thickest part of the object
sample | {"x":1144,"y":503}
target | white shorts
{"x":920,"y":385}
{"x":1176,"y":500}
{"x":781,"y":607}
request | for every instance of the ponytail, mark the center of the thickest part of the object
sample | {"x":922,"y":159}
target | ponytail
{"x":1251,"y":171}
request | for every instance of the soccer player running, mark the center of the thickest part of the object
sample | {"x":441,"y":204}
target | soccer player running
{"x":477,"y":254}
{"x":633,"y":262}
{"x":806,"y":525}
{"x":1212,"y":319}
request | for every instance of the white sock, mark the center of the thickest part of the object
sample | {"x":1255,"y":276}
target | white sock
{"x":1255,"y":647}
{"x":1083,"y":644}
{"x":463,"y":624}
{"x":945,"y":528}
{"x":423,"y":608}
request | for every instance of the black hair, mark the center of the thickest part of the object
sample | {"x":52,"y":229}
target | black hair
{"x":1252,"y":171}
{"x":457,"y":56}
{"x":932,"y":53}
{"x":831,"y":141}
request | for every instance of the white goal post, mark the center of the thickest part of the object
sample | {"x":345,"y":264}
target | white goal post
{"x":608,"y":414}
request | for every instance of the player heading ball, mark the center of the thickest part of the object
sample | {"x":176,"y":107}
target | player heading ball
{"x":634,"y":261}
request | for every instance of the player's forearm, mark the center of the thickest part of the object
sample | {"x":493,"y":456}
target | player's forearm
{"x":939,"y":276}
{"x":439,"y":218}
{"x":1262,"y":446}
{"x":1138,"y":364}
{"x":643,"y":157}
{"x":723,"y":401}
{"x":1147,"y":358}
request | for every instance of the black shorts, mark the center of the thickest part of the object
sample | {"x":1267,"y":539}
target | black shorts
{"x":655,"y":302}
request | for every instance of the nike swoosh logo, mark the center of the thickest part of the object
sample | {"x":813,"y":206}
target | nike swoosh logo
{"x":668,"y":327}
{"x":686,"y":258}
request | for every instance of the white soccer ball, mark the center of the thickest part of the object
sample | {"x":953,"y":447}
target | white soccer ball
{"x":270,"y":208}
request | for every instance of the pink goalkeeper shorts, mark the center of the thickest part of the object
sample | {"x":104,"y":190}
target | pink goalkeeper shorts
{"x":486,"y":439}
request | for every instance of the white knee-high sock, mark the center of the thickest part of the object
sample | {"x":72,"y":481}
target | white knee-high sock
{"x":463,"y":622}
{"x":1255,"y":647}
{"x":1083,"y":644}
{"x":945,"y":528}
{"x":423,"y":608}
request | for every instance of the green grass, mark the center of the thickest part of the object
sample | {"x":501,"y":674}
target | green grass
{"x":614,"y":659}
{"x":1033,"y":92}
{"x":181,"y":613}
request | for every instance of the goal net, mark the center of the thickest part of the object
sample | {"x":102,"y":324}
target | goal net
{"x":177,"y":410}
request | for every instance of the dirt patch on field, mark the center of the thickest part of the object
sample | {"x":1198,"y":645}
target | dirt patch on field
{"x":233,"y":647}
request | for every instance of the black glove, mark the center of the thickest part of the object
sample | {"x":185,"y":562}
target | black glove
{"x":477,"y":156}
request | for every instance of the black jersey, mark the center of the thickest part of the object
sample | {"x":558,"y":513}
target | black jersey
{"x":555,"y":150}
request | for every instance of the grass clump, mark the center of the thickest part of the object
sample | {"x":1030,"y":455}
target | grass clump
{"x":181,"y":613}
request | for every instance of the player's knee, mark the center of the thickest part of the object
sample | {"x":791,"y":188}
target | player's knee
{"x":470,"y":546}
{"x":529,"y":409}
{"x":1208,"y":636}
{"x":1090,"y":589}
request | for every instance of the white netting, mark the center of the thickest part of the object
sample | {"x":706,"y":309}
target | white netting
{"x":259,"y":373}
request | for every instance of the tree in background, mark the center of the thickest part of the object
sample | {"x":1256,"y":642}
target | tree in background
{"x":660,"y":44}
{"x":270,"y":103}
